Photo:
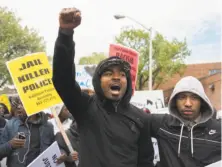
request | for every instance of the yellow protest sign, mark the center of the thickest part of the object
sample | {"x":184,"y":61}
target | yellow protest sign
{"x":32,"y":77}
{"x":4,"y":99}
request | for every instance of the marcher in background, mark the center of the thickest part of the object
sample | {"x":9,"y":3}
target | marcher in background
{"x":188,"y":137}
{"x":3,"y":109}
{"x":4,"y":112}
{"x":24,"y":138}
{"x":2,"y":125}
{"x":65,"y":117}
{"x":73,"y":136}
{"x":113,"y":133}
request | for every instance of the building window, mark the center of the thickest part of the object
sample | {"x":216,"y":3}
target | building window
{"x":214,"y":71}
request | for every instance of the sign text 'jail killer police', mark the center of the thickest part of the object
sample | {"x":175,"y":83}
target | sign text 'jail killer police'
{"x":32,"y":77}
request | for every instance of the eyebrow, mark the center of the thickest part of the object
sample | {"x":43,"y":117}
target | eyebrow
{"x":185,"y":94}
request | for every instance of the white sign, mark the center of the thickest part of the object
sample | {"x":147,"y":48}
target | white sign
{"x":156,"y":151}
{"x":151,"y":100}
{"x":84,"y":74}
{"x":216,"y":164}
{"x":48,"y":158}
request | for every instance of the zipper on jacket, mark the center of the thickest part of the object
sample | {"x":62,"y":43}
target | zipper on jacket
{"x":116,"y":108}
{"x":189,"y":129}
{"x":116,"y":105}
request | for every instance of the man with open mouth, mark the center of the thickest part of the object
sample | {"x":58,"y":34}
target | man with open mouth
{"x":113,"y":133}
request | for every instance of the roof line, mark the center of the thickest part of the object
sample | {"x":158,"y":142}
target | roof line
{"x":197,"y":78}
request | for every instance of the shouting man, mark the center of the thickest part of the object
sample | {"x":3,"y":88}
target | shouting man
{"x":113,"y":133}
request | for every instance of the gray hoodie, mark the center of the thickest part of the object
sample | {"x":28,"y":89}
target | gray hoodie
{"x":184,"y":143}
{"x":192,"y":85}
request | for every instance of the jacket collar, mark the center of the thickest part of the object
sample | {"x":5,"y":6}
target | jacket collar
{"x":175,"y":122}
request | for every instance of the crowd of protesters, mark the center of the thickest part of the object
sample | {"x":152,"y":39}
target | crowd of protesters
{"x":104,"y":128}
{"x":23,"y":138}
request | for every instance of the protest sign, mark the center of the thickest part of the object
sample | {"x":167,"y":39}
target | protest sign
{"x":216,"y":164}
{"x":129,"y":55}
{"x":84,"y":74}
{"x":151,"y":100}
{"x":4,"y":99}
{"x":156,"y":151}
{"x":32,"y":77}
{"x":48,"y":157}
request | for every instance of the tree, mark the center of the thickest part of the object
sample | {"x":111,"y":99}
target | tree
{"x":95,"y":58}
{"x":168,"y":56}
{"x":15,"y":41}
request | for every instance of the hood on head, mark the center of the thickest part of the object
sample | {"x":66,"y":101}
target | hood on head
{"x":6,"y":111}
{"x":193,"y":85}
{"x":41,"y":119}
{"x":15,"y":101}
{"x":102,"y":66}
{"x":58,"y":108}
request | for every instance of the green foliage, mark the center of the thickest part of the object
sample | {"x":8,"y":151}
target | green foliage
{"x":15,"y":41}
{"x":95,"y":58}
{"x":168,"y":56}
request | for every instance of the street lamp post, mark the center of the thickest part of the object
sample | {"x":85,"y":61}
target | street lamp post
{"x":150,"y":61}
{"x":150,"y":45}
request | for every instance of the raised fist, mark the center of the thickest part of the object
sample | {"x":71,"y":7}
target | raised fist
{"x":69,"y":18}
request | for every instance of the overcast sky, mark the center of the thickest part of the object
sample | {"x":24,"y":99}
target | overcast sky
{"x":199,"y":21}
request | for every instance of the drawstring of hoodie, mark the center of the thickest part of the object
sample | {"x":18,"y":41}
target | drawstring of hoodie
{"x":181,"y":134}
{"x":191,"y":139}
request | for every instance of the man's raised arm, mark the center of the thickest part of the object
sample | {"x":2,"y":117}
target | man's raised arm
{"x":64,"y":66}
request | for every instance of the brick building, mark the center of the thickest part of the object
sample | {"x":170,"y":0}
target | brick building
{"x":209,"y":75}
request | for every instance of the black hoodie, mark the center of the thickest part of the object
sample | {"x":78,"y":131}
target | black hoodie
{"x":110,"y":135}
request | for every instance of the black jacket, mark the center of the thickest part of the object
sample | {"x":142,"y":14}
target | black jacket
{"x":110,"y":136}
{"x":206,"y":146}
{"x":184,"y":143}
{"x":73,"y":136}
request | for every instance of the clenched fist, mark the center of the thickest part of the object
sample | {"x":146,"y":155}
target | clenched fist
{"x":69,"y":18}
{"x":75,"y":156}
